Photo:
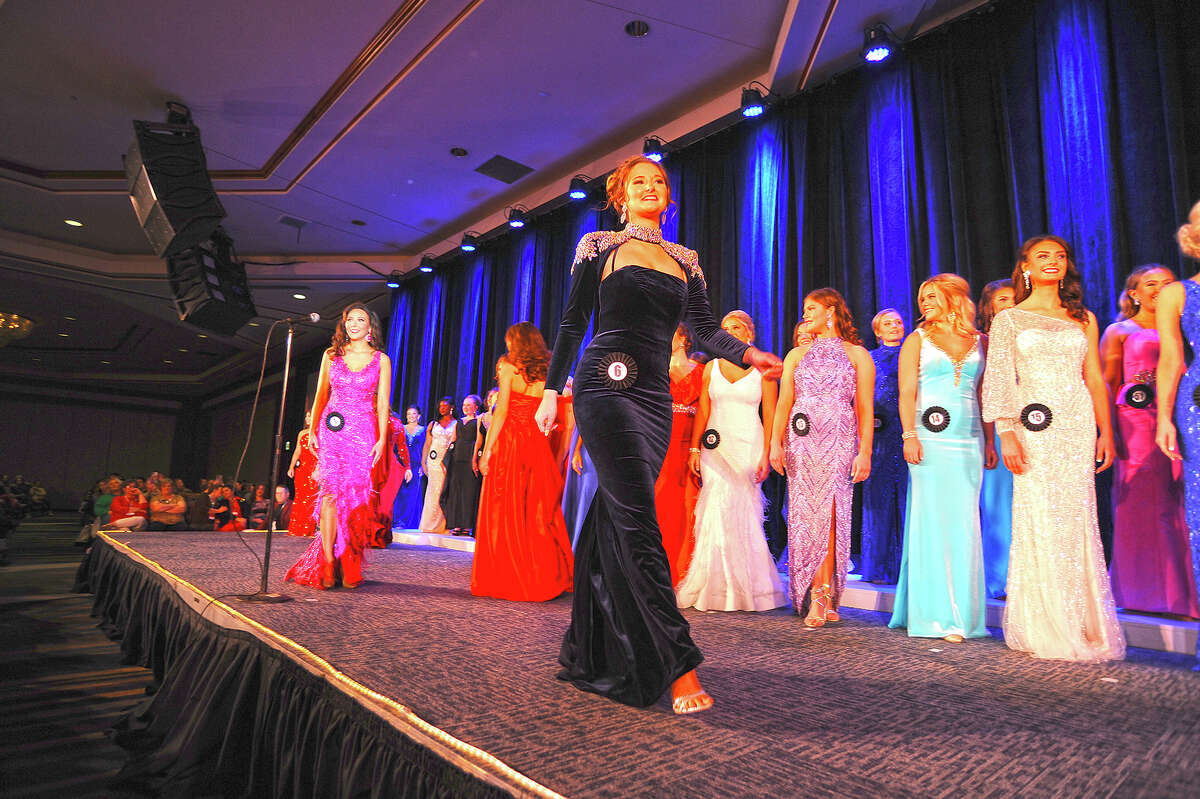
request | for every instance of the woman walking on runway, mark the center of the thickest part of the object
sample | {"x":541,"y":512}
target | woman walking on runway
{"x":350,"y":423}
{"x":627,"y":640}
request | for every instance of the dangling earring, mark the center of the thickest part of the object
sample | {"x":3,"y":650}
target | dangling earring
{"x":829,"y":323}
{"x":1026,"y":279}
{"x":622,"y":217}
{"x":1060,"y":284}
{"x":953,"y":316}
{"x":368,"y":336}
{"x":1137,"y":306}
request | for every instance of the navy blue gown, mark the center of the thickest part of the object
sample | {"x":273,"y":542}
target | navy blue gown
{"x":627,"y":639}
{"x":885,"y":492}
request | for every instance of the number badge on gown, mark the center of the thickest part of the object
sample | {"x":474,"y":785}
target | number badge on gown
{"x":1036,"y":417}
{"x":880,"y":422}
{"x":335,"y":421}
{"x":800,"y":424}
{"x":618,"y":370}
{"x":936,"y":418}
{"x":711,"y":439}
{"x":1139,"y":395}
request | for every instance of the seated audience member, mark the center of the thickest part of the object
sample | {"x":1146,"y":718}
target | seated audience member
{"x":129,"y":510}
{"x":283,"y":508}
{"x":167,"y":508}
{"x":38,"y":502}
{"x":220,"y":510}
{"x":258,"y":510}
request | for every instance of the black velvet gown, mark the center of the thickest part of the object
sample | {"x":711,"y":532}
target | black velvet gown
{"x":627,"y":639}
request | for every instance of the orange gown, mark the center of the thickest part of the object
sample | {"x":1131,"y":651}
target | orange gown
{"x":676,"y":489}
{"x":522,"y":550}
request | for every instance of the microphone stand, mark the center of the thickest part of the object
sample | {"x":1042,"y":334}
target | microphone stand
{"x":263,"y":595}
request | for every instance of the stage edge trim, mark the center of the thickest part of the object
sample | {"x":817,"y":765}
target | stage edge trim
{"x":401,"y":717}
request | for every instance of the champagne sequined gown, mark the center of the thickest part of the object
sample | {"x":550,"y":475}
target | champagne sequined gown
{"x":818,"y":466}
{"x":1059,"y":602}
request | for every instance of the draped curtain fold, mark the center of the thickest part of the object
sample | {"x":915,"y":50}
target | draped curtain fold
{"x":1077,"y":117}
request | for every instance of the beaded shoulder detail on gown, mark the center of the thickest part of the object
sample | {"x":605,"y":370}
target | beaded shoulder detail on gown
{"x":596,"y":242}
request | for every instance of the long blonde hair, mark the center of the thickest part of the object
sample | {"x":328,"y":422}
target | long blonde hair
{"x":953,"y":297}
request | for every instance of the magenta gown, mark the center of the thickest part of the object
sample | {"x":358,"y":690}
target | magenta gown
{"x":819,"y":445}
{"x":346,"y":434}
{"x":1151,"y":563}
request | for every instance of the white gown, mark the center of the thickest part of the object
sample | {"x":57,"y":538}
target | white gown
{"x":731,"y":567}
{"x":1059,"y":602}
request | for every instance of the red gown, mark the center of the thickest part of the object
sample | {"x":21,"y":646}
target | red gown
{"x":303,"y":521}
{"x":676,"y":489}
{"x":522,"y":550}
{"x":387,"y":477}
{"x":560,"y":436}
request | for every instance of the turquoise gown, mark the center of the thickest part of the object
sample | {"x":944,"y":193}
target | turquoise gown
{"x":995,"y":508}
{"x":941,"y":587}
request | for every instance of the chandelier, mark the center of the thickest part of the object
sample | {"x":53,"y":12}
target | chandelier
{"x":13,"y":326}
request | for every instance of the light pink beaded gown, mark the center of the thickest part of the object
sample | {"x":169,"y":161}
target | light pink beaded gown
{"x":819,"y":445}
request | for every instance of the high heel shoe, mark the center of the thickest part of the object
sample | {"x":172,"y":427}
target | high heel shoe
{"x":818,"y":602}
{"x":327,"y":578}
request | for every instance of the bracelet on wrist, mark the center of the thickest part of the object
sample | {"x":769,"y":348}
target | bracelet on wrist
{"x":907,"y":434}
{"x":693,"y":449}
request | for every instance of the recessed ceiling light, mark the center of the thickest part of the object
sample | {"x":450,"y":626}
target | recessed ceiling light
{"x":107,"y":363}
{"x":201,"y":335}
{"x":637,"y":28}
{"x":69,"y":318}
{"x":252,"y":324}
{"x":183,"y":349}
{"x":299,"y":297}
{"x":64,"y":335}
{"x":37,"y":359}
{"x":167,"y":360}
{"x":358,"y":222}
{"x":458,"y":152}
{"x":73,"y":222}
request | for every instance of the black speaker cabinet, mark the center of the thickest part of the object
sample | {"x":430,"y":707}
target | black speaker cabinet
{"x":169,"y":186}
{"x":209,"y":285}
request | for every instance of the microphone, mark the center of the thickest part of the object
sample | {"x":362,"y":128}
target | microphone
{"x":312,"y":317}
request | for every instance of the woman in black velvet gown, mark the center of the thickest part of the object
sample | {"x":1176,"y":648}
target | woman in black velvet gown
{"x":627,"y":639}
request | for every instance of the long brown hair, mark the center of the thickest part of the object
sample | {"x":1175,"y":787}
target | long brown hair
{"x":1070,"y":292}
{"x":842,"y":320}
{"x":986,"y":313}
{"x":527,"y":351}
{"x":341,"y":337}
{"x":1128,"y":308}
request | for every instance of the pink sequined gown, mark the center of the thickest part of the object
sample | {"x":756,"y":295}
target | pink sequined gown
{"x":344,"y":469}
{"x":1151,"y":564}
{"x":818,"y":466}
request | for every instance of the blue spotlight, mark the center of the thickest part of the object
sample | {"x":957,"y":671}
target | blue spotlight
{"x":516,"y":217}
{"x":878,"y":44}
{"x":426,"y":264}
{"x":752,"y":102}
{"x":578,"y":190}
{"x":469,"y":243}
{"x":654,"y":148}
{"x":393,"y":281}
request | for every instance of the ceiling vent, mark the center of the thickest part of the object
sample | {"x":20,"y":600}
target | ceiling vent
{"x":503,"y":169}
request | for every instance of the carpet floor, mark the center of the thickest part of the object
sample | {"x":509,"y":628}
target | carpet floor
{"x":850,"y":709}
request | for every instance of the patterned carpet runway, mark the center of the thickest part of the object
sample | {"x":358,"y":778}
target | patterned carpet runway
{"x":854,"y":709}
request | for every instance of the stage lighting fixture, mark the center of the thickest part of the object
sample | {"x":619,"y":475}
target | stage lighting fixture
{"x":516,"y":216}
{"x":752,"y":102}
{"x":393,"y":281}
{"x":878,"y":44}
{"x":469,"y":242}
{"x":654,"y":148}
{"x":578,"y":190}
{"x":426,"y":264}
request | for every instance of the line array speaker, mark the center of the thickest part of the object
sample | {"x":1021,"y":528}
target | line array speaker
{"x":209,"y":285}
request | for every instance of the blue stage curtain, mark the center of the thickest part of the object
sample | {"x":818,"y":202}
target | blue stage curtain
{"x":1077,"y":117}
